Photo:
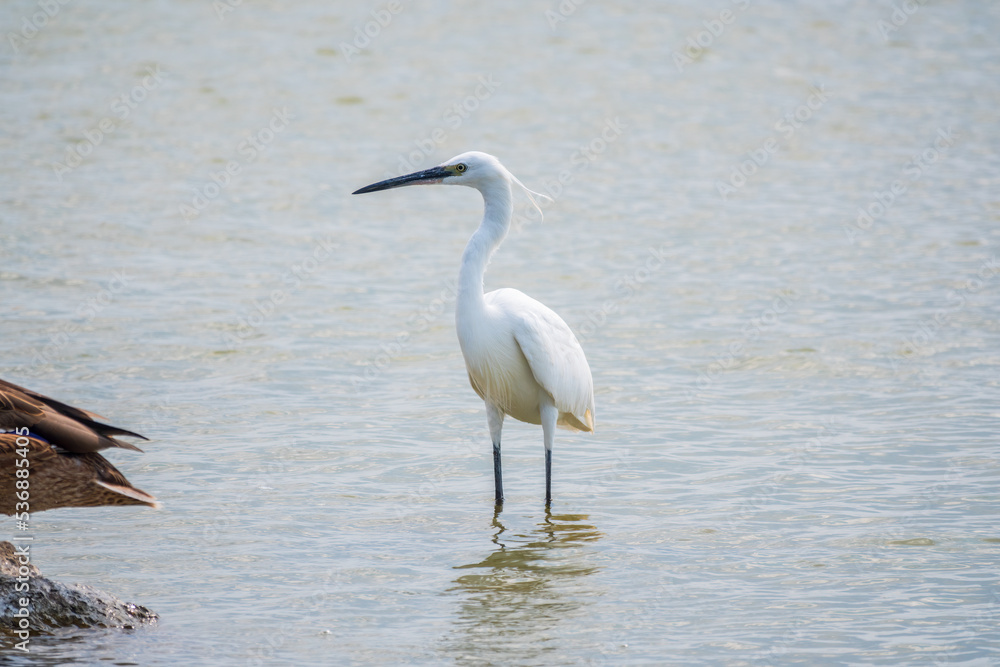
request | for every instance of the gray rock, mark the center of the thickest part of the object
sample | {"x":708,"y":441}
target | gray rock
{"x":54,"y":605}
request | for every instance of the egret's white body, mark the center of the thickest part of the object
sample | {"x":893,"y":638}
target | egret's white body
{"x":522,"y":358}
{"x":515,"y":347}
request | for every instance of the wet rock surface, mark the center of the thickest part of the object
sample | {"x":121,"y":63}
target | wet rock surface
{"x":52,"y":605}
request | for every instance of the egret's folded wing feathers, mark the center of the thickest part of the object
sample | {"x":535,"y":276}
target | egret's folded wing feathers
{"x":557,"y":361}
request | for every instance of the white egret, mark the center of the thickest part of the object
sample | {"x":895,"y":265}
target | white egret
{"x":522,"y":358}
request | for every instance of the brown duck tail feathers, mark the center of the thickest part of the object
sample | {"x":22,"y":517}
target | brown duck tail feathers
{"x":141,"y":497}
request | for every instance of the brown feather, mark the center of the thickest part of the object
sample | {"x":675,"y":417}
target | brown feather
{"x":70,"y":428}
{"x":60,"y":479}
{"x":60,"y":443}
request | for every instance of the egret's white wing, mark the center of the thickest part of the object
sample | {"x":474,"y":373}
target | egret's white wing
{"x":554,"y":355}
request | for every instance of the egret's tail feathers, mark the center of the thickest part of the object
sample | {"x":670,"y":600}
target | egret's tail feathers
{"x":571,"y":422}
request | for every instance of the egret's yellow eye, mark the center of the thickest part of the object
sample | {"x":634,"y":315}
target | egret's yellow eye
{"x":460,"y":168}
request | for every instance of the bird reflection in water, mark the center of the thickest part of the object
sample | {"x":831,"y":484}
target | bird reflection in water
{"x":514,"y":599}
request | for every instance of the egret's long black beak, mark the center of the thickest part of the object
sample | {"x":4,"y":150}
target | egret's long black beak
{"x":432,"y":175}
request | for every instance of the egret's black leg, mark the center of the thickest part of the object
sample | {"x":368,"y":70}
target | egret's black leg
{"x":548,"y":476}
{"x":494,"y":417}
{"x":549,"y":415}
{"x":497,"y":476}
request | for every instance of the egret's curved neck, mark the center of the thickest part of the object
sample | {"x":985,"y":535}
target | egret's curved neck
{"x":485,"y":240}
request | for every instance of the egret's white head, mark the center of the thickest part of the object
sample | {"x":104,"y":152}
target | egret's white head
{"x":473,"y":169}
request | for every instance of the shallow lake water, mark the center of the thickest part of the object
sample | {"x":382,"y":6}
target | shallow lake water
{"x":774,"y":230}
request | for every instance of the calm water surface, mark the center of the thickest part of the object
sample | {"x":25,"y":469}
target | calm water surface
{"x":775,"y":231}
